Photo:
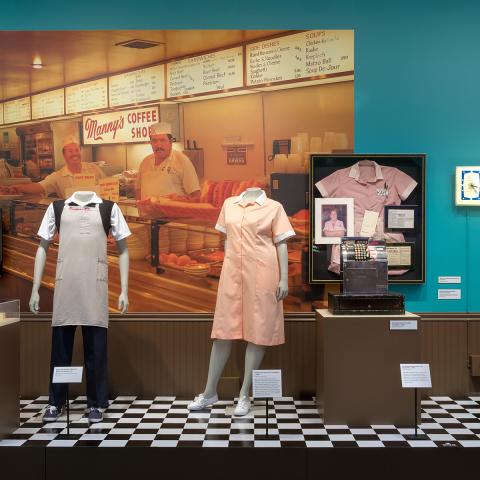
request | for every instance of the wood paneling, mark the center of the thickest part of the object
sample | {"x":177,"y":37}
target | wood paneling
{"x":168,"y":357}
{"x":444,"y":347}
{"x":9,"y":375}
{"x":474,"y":349}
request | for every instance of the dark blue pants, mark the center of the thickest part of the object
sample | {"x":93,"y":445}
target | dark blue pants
{"x":95,"y":358}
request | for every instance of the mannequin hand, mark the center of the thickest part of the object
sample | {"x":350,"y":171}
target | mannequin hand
{"x":282,"y":290}
{"x":123,"y":302}
{"x":34,"y":302}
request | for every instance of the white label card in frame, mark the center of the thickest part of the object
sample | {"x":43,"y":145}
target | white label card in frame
{"x":267,"y":383}
{"x":415,"y":375}
{"x":67,"y":375}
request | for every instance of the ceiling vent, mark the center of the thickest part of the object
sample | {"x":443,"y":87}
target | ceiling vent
{"x":138,"y":43}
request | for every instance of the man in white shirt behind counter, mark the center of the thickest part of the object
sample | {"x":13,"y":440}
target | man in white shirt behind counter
{"x":57,"y":182}
{"x":166,"y":172}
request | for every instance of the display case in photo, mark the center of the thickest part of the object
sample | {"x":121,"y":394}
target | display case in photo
{"x":386,"y":193}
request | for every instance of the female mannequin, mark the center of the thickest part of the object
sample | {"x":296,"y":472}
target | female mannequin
{"x":253,"y":284}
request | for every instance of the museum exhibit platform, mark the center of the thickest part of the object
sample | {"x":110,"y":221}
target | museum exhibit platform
{"x":146,"y":437}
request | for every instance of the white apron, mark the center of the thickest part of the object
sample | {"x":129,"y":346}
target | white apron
{"x":161,"y":181}
{"x":81,"y":280}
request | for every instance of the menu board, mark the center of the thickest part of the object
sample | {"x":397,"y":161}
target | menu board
{"x":138,"y":86}
{"x":17,"y":110}
{"x":87,"y":96}
{"x":301,"y":55}
{"x":205,"y":73}
{"x":48,"y":104}
{"x":1,"y":113}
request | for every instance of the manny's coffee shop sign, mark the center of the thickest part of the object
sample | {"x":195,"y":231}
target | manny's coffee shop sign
{"x":123,"y":126}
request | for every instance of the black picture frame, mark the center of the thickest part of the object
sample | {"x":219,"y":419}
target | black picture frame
{"x":412,"y":164}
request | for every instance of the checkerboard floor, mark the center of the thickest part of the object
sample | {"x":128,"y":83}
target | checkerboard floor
{"x":166,"y":422}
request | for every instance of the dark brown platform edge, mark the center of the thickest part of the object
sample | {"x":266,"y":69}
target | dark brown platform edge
{"x":92,"y":463}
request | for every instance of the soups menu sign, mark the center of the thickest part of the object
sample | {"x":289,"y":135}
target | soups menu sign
{"x":316,"y":53}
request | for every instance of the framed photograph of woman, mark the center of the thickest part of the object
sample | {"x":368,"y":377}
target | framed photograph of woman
{"x":333,"y":219}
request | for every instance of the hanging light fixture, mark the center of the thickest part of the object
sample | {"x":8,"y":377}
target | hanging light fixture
{"x":37,"y":62}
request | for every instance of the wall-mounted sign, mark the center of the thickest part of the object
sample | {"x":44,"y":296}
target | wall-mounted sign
{"x":1,"y":113}
{"x":109,"y":189}
{"x":48,"y":104}
{"x":143,"y":85}
{"x":124,"y":126}
{"x":87,"y":96}
{"x":301,"y":55}
{"x":17,"y":110}
{"x":205,"y":73}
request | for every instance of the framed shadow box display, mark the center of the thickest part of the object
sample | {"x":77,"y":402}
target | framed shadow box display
{"x":386,"y":193}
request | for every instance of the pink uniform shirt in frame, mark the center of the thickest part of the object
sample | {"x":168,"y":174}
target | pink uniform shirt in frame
{"x":372,"y":186}
{"x":247,"y":307}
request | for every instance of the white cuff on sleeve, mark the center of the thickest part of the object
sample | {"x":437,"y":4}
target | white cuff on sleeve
{"x":220,"y":228}
{"x":321,"y":189}
{"x":409,"y":189}
{"x":284,"y":236}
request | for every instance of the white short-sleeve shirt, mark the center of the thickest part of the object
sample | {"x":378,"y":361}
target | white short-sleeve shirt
{"x":119,"y":225}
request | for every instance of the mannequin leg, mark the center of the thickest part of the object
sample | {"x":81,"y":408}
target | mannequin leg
{"x":218,"y":358}
{"x":253,"y":359}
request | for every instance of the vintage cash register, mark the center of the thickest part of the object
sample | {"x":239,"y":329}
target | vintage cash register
{"x":364,"y":265}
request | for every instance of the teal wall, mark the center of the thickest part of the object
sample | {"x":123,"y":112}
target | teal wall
{"x":417,"y":89}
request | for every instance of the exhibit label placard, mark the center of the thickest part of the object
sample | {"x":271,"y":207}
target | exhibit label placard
{"x":17,"y":110}
{"x":267,"y":383}
{"x":450,"y":279}
{"x":415,"y":375}
{"x":449,"y":294}
{"x":403,"y":325}
{"x":147,"y":84}
{"x":48,"y":104}
{"x":301,"y":55}
{"x":1,"y":113}
{"x":67,"y":375}
{"x":211,"y":72}
{"x":87,"y":96}
{"x":123,"y":126}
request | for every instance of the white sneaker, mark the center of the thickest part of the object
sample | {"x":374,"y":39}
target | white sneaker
{"x":243,"y":407}
{"x":200,"y":402}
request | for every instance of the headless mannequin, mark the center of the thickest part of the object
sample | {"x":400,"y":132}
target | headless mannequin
{"x":41,"y":257}
{"x":254,"y":354}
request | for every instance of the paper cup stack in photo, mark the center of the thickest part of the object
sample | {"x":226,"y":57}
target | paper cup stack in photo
{"x":212,"y":240}
{"x":177,"y":234}
{"x":163,"y":240}
{"x":138,"y":242}
{"x":196,"y":238}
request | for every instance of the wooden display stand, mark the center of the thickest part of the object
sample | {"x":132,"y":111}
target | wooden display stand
{"x":9,"y":376}
{"x":358,"y":369}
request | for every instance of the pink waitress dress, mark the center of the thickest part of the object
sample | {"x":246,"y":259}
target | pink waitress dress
{"x":247,"y":307}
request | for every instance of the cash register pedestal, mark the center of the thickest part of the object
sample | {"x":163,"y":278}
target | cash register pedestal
{"x":358,"y":369}
{"x":9,"y":376}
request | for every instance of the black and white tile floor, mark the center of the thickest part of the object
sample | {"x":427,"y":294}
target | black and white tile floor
{"x":166,"y":422}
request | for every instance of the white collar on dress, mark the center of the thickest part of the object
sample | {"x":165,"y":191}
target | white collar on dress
{"x":260,"y":199}
{"x":355,"y":170}
{"x":95,"y":199}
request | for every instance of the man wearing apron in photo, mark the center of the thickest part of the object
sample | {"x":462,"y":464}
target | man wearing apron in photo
{"x":166,"y":172}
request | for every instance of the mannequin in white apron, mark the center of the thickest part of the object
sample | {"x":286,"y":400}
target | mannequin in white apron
{"x":81,"y":290}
